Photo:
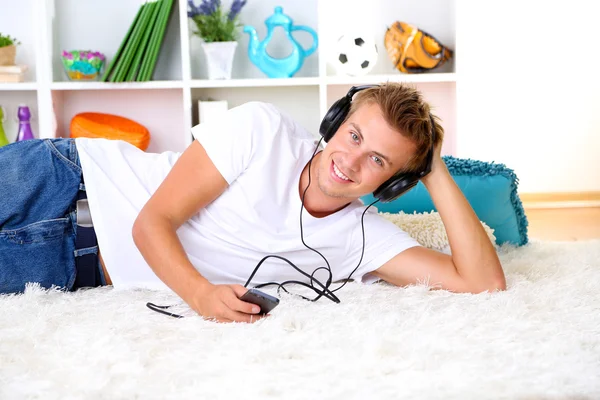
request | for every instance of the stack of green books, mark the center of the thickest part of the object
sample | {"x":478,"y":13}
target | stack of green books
{"x":136,"y":58}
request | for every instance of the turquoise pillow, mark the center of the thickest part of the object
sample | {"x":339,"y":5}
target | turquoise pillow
{"x":490,"y":188}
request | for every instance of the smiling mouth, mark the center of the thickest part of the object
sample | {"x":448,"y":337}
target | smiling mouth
{"x":336,"y":173}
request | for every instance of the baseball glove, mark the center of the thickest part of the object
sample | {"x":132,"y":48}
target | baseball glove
{"x":413,"y":50}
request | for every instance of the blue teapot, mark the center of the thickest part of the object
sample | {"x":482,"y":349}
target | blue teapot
{"x":279,"y":67}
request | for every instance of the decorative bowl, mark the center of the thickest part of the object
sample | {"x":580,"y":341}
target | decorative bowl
{"x":83,"y":65}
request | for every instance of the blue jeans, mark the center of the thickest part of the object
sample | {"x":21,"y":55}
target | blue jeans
{"x":39,"y":182}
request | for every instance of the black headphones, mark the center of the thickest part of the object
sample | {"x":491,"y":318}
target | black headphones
{"x":398,"y":184}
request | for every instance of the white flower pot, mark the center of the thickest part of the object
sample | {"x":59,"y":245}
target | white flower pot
{"x":219,"y":59}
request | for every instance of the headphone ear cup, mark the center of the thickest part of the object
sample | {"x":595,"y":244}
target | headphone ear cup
{"x":334,"y":118}
{"x":395,"y":187}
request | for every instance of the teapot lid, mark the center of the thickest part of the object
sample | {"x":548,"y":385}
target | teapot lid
{"x":279,"y":18}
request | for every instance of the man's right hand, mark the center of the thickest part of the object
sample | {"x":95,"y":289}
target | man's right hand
{"x":222,"y":303}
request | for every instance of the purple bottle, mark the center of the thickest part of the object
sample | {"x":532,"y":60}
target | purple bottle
{"x":25,"y":132}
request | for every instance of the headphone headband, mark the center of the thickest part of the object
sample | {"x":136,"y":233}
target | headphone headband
{"x":355,"y":89}
{"x":398,"y":184}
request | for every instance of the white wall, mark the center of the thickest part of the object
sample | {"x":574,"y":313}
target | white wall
{"x":529,"y":90}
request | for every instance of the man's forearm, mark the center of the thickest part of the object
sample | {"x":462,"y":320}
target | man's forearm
{"x":165,"y":255}
{"x":473,"y":253}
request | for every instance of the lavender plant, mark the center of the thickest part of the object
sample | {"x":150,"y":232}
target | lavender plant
{"x":214,"y":25}
{"x":6,"y":40}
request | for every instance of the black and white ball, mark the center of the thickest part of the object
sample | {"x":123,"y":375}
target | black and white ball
{"x":355,"y":54}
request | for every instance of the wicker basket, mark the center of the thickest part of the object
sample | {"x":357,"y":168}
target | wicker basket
{"x":108,"y":126}
{"x":8,"y":55}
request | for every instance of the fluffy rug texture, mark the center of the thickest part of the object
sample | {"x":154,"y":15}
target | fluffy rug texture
{"x":539,"y":339}
{"x":428,"y":229}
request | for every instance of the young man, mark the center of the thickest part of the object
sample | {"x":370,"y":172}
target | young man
{"x":199,"y":222}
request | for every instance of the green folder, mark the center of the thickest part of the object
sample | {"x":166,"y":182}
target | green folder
{"x":143,"y":44}
{"x":137,"y":55}
{"x":151,"y":55}
{"x":131,"y":47}
{"x":115,"y":59}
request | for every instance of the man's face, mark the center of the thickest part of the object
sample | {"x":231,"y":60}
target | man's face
{"x":363,"y":154}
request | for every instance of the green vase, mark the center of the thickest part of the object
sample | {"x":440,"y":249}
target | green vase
{"x":3,"y":139}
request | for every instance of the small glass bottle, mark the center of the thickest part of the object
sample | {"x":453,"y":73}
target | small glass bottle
{"x":3,"y":139}
{"x":25,"y":132}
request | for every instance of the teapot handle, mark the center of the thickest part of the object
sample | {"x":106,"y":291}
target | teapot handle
{"x":314,"y":35}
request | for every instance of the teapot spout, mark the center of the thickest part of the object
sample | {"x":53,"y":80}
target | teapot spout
{"x":250,"y":30}
{"x":253,"y":42}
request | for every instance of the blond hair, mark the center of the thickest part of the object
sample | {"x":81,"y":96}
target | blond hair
{"x":405,"y":110}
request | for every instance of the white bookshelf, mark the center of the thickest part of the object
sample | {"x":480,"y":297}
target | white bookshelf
{"x":167,"y":105}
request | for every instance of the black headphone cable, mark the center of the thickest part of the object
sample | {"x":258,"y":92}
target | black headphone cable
{"x":321,"y":293}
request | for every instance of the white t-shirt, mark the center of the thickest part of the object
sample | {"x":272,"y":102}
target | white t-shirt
{"x":261,"y":152}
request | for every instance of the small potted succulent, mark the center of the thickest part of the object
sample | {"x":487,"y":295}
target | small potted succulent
{"x":8,"y":49}
{"x":219,"y":31}
{"x":82,"y":65}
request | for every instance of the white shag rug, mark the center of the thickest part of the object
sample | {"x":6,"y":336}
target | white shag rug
{"x":539,"y":339}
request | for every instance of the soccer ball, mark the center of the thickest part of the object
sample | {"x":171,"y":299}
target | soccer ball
{"x":355,"y":54}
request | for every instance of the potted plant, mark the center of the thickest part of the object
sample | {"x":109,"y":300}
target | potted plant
{"x":8,"y":49}
{"x":219,"y":33}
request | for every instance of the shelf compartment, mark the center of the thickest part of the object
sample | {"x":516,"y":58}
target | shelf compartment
{"x":307,"y":116}
{"x":254,"y":14}
{"x":85,"y":25}
{"x":19,"y":21}
{"x":10,"y":101}
{"x":436,"y":17}
{"x":159,"y":110}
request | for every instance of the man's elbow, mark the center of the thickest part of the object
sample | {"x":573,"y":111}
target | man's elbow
{"x":499,"y":281}
{"x":138,"y":229}
{"x":494,"y":282}
{"x":496,"y":285}
{"x":149,"y":226}
{"x":499,"y":285}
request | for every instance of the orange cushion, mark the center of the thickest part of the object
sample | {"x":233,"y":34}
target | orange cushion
{"x":108,"y":126}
